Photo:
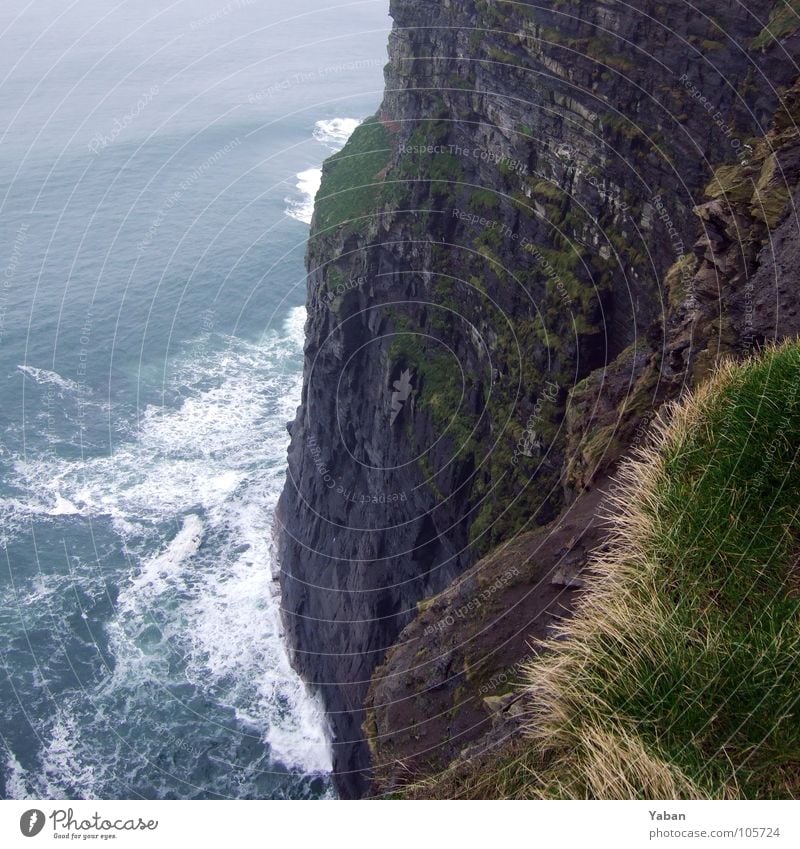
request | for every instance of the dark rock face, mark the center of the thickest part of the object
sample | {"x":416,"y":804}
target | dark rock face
{"x":449,"y":679}
{"x":497,"y":235}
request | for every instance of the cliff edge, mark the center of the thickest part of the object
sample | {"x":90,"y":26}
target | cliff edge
{"x":560,"y":217}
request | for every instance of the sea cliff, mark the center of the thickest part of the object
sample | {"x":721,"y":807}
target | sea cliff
{"x":561,"y":216}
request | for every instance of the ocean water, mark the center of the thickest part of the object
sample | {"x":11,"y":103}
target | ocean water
{"x":158,"y":163}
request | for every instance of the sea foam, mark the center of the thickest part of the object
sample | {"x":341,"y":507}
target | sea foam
{"x":191,"y":493}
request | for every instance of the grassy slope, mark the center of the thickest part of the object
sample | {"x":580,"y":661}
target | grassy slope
{"x":680,"y":676}
{"x":351,"y":178}
{"x":783,"y":20}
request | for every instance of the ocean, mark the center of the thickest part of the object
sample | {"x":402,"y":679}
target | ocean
{"x":158,"y":163}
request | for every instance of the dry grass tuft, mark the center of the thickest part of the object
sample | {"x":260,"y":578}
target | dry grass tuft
{"x":678,"y":675}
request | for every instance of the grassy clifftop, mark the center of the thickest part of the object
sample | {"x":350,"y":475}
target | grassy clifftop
{"x":679,"y":676}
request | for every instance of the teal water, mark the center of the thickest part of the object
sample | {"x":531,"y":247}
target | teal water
{"x":157,"y":162}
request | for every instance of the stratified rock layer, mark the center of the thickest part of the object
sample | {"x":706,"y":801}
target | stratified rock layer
{"x":483,"y":253}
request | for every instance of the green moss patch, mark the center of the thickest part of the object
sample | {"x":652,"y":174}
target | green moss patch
{"x":351,"y":178}
{"x":784,"y":19}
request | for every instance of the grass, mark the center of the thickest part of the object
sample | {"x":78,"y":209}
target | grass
{"x":351,"y":178}
{"x":784,"y":19}
{"x":679,"y":676}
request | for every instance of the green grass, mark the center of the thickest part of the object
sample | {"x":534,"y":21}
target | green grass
{"x":712,"y":687}
{"x":351,"y":178}
{"x":688,"y":657}
{"x":784,"y":19}
{"x":680,"y":674}
{"x":483,"y":201}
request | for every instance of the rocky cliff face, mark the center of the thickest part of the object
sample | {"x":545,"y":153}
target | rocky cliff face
{"x":483,"y":251}
{"x":447,"y":700}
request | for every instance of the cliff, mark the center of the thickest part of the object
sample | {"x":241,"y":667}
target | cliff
{"x":506,"y":279}
{"x":676,"y":675}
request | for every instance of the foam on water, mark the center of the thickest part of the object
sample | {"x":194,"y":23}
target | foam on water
{"x":158,"y":572}
{"x":308,"y":183}
{"x":333,"y":134}
{"x":44,"y":377}
{"x":65,"y":768}
{"x":191,"y":493}
{"x":180,"y":459}
{"x":63,"y":507}
{"x":16,"y":779}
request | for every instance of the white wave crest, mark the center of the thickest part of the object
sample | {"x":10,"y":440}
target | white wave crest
{"x":308,"y":183}
{"x":213,"y":469}
{"x":43,"y":377}
{"x":336,"y":131}
{"x":16,"y":779}
{"x":66,"y":770}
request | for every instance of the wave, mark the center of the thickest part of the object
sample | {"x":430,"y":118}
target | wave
{"x":336,"y":131}
{"x":44,"y":377}
{"x":185,"y":458}
{"x":16,"y":780}
{"x":308,"y":183}
{"x":159,"y":571}
{"x":67,"y":769}
{"x":190,"y":495}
